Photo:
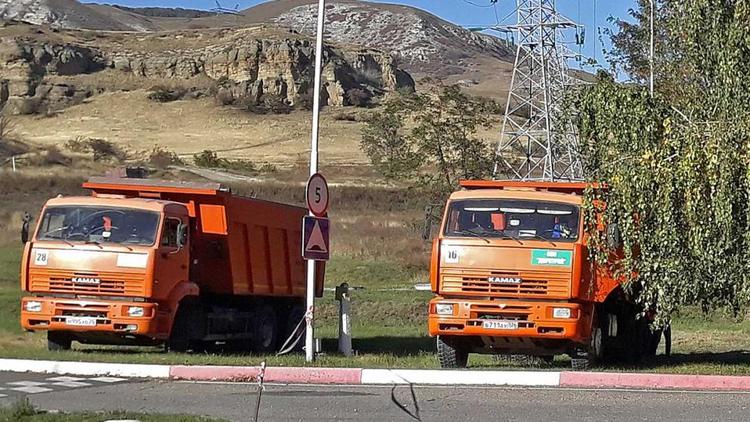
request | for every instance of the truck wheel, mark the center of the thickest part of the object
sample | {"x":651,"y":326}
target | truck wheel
{"x":265,"y":330}
{"x":451,"y":355}
{"x":57,"y":341}
{"x":179,"y":338}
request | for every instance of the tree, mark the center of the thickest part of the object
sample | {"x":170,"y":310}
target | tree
{"x":676,"y":164}
{"x":430,"y":138}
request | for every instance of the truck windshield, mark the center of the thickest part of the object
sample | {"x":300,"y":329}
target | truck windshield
{"x":515,"y":219}
{"x":99,"y":225}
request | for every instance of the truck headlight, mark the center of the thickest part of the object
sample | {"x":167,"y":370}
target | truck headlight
{"x":561,"y":313}
{"x":135,"y":311}
{"x":444,"y":309}
{"x":33,"y":306}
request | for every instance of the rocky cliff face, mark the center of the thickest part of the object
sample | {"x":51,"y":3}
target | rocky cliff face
{"x":246,"y":61}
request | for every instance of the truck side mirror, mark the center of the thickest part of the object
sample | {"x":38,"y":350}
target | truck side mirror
{"x":25,"y":228}
{"x":181,"y":235}
{"x":614,"y":239}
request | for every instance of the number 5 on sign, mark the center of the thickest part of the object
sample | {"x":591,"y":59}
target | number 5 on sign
{"x":317,"y":195}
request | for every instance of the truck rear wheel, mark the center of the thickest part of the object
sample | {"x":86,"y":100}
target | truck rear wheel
{"x":265,"y":330}
{"x":450,"y":354}
{"x":57,"y":341}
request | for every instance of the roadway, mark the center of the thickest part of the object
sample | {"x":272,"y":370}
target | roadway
{"x":236,"y":401}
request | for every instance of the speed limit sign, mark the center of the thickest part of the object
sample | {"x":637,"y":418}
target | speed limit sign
{"x":317,"y":195}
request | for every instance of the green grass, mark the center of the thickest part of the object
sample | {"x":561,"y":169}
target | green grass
{"x":389,"y":329}
{"x":24,"y":411}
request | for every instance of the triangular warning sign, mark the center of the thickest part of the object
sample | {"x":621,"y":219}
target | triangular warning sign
{"x":316,"y":243}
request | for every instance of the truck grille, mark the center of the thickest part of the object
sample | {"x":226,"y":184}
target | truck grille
{"x":533,"y":284}
{"x":110,"y":283}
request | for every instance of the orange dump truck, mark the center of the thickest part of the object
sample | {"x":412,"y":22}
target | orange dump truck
{"x":512,"y":275}
{"x":147,"y":262}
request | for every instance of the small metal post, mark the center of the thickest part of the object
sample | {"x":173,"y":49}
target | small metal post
{"x":343,"y":295}
{"x":13,"y":161}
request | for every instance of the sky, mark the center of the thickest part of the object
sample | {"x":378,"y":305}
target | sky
{"x":469,"y":13}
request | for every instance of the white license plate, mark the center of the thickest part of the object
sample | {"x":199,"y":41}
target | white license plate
{"x":500,"y":325}
{"x":81,"y":321}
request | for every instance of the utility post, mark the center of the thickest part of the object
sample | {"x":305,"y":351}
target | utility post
{"x":651,"y":50}
{"x":311,"y":264}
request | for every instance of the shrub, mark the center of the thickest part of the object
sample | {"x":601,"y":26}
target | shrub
{"x":224,"y":97}
{"x":160,"y":158}
{"x":53,"y":156}
{"x":306,"y":100}
{"x":345,"y":117}
{"x":79,"y":145}
{"x":267,"y":168}
{"x":208,"y":159}
{"x":104,"y":150}
{"x":358,"y":97}
{"x":165,"y":94}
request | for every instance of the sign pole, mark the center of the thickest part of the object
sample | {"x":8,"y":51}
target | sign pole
{"x":310,"y":302}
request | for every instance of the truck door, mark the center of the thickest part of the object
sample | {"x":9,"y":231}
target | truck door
{"x":172,"y":256}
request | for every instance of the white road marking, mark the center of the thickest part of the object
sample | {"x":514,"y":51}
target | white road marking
{"x":65,"y":379}
{"x":107,"y":379}
{"x":26,"y":383}
{"x":71,"y":384}
{"x":32,"y":389}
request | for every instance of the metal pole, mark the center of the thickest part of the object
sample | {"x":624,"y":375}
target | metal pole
{"x":13,"y":160}
{"x":651,"y":52}
{"x":343,"y":295}
{"x":309,"y":318}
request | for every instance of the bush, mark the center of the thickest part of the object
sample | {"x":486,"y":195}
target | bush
{"x":345,"y":117}
{"x":160,"y":158}
{"x":224,"y":97}
{"x":209,"y":159}
{"x":306,"y":100}
{"x":102,"y":149}
{"x":53,"y":156}
{"x":165,"y":94}
{"x":358,"y":97}
{"x":272,"y":104}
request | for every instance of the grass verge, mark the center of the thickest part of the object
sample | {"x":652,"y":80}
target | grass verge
{"x":24,"y":411}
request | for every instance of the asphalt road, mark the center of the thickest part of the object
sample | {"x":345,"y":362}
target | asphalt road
{"x":236,"y":402}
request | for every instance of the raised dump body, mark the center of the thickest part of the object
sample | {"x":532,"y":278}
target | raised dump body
{"x":144,"y":262}
{"x":512,"y":274}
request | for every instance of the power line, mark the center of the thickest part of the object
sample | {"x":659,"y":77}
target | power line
{"x":486,"y":6}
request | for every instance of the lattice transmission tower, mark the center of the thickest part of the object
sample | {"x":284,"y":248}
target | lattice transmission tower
{"x":538,"y":141}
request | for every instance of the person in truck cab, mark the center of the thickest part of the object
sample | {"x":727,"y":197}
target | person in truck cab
{"x":560,"y":230}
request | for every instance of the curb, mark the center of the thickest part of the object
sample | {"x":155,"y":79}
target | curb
{"x":359,"y":376}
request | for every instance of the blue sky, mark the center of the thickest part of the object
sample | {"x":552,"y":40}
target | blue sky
{"x":462,"y":12}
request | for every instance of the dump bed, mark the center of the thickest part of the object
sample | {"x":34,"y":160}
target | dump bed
{"x":239,"y":245}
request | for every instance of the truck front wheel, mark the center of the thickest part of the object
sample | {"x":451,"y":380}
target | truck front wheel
{"x":451,"y":354}
{"x":57,"y":341}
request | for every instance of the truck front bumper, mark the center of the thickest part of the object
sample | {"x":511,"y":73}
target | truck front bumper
{"x":510,"y":319}
{"x":83,"y":315}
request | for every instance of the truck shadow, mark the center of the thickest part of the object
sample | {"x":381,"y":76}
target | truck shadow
{"x":397,"y":346}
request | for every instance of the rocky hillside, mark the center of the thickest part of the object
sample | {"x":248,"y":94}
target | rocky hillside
{"x":51,"y":69}
{"x":425,"y":44}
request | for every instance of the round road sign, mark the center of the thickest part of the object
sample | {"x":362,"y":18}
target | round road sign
{"x":317,"y":195}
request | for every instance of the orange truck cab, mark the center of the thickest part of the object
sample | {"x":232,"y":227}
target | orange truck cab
{"x":147,"y":262}
{"x":512,"y":275}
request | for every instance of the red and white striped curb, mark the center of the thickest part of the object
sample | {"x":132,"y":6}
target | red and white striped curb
{"x":358,"y":376}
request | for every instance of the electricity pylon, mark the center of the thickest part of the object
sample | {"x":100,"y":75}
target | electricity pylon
{"x":538,"y":140}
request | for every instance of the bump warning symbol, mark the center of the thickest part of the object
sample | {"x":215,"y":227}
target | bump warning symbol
{"x":315,"y":238}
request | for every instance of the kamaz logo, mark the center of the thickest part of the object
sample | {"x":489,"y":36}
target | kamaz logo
{"x":504,"y":280}
{"x":85,"y":280}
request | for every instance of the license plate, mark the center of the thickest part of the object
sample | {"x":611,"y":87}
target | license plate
{"x":500,"y":325}
{"x":81,"y":321}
